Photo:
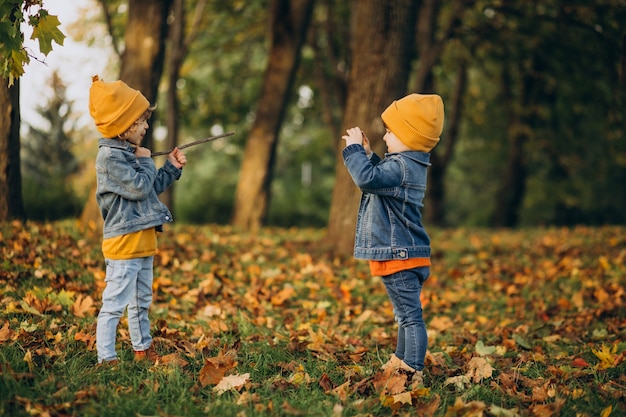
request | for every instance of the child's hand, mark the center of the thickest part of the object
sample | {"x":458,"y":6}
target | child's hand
{"x":177,"y":158}
{"x":366,"y":144}
{"x":141,"y":152}
{"x":354,"y":136}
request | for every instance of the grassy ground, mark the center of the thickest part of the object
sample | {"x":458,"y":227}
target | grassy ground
{"x":521,"y":323}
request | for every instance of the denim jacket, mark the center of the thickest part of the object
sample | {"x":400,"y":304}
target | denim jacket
{"x":127,"y":189}
{"x":389,"y":221}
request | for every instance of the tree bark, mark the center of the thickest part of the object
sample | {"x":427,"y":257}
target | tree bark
{"x":382,"y":45}
{"x":434,"y":211}
{"x":289,"y":22}
{"x":513,"y":187}
{"x":141,"y":69}
{"x":11,"y":203}
{"x":430,"y":49}
{"x":179,"y":46}
{"x":144,"y":54}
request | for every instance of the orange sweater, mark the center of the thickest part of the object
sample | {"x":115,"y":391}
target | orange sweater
{"x":384,"y":268}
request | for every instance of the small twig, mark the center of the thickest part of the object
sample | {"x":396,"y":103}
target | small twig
{"x":197,"y":142}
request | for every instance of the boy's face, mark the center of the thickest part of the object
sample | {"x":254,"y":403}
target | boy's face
{"x":138,"y":131}
{"x":394,"y":144}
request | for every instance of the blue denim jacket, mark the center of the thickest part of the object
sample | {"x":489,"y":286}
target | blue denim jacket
{"x":389,"y":221}
{"x":127,"y":189}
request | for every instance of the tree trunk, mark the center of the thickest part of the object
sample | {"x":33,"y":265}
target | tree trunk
{"x":144,"y":54}
{"x":11,"y":204}
{"x":176,"y":56}
{"x":289,"y":22}
{"x":141,"y":69}
{"x":382,"y":43}
{"x":178,"y":49}
{"x":513,"y":187}
{"x":434,"y":212}
{"x":430,"y":49}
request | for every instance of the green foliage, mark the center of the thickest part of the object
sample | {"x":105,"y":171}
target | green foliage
{"x":562,"y":65}
{"x":14,"y":13}
{"x":219,"y":86}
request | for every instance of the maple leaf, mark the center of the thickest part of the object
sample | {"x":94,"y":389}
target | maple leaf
{"x":46,"y":31}
{"x":5,"y":332}
{"x":231,"y":382}
{"x":83,"y":306}
{"x":607,"y":356}
{"x":479,"y":369}
{"x":88,"y":338}
{"x":459,"y":381}
{"x":389,"y":382}
{"x":215,"y":368}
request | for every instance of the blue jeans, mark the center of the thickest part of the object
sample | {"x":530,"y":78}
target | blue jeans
{"x":128,"y":284}
{"x":404,"y":289}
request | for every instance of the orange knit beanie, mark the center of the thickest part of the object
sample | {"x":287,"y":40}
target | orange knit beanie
{"x":417,"y":120}
{"x":115,"y":106}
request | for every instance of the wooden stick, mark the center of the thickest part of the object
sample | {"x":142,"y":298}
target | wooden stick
{"x":197,"y":142}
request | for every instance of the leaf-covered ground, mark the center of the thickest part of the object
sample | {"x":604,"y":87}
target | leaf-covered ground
{"x":520,"y":323}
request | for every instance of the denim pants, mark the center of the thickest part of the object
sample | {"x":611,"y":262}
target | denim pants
{"x":128,"y":285}
{"x":404,"y":289}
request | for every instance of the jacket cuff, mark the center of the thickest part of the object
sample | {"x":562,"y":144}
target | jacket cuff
{"x":171,"y":169}
{"x":351,"y":150}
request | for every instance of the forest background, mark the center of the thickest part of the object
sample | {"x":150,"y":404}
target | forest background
{"x":522,"y":322}
{"x":534,"y":94}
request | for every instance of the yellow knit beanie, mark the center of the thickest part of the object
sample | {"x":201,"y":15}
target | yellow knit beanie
{"x":115,"y":106}
{"x":417,"y":120}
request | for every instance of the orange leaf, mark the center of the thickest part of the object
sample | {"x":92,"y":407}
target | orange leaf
{"x":83,"y":306}
{"x":579,"y":363}
{"x":5,"y":332}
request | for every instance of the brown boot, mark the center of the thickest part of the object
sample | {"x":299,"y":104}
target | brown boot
{"x":394,"y":363}
{"x":112,"y":364}
{"x":149,"y":354}
{"x":415,"y":378}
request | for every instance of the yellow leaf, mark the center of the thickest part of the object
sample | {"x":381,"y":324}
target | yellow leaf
{"x":402,"y":398}
{"x":607,"y":411}
{"x":606,"y":355}
{"x":28,"y":358}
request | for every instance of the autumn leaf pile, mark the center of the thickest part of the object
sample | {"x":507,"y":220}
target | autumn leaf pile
{"x":520,"y":323}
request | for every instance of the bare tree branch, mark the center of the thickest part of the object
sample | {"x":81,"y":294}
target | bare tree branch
{"x":197,"y":142}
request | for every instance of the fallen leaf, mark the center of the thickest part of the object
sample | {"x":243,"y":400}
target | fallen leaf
{"x":479,"y":369}
{"x":83,"y":306}
{"x":5,"y":332}
{"x":231,"y":382}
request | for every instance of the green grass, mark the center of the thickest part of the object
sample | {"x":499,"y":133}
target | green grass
{"x":544,"y":307}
